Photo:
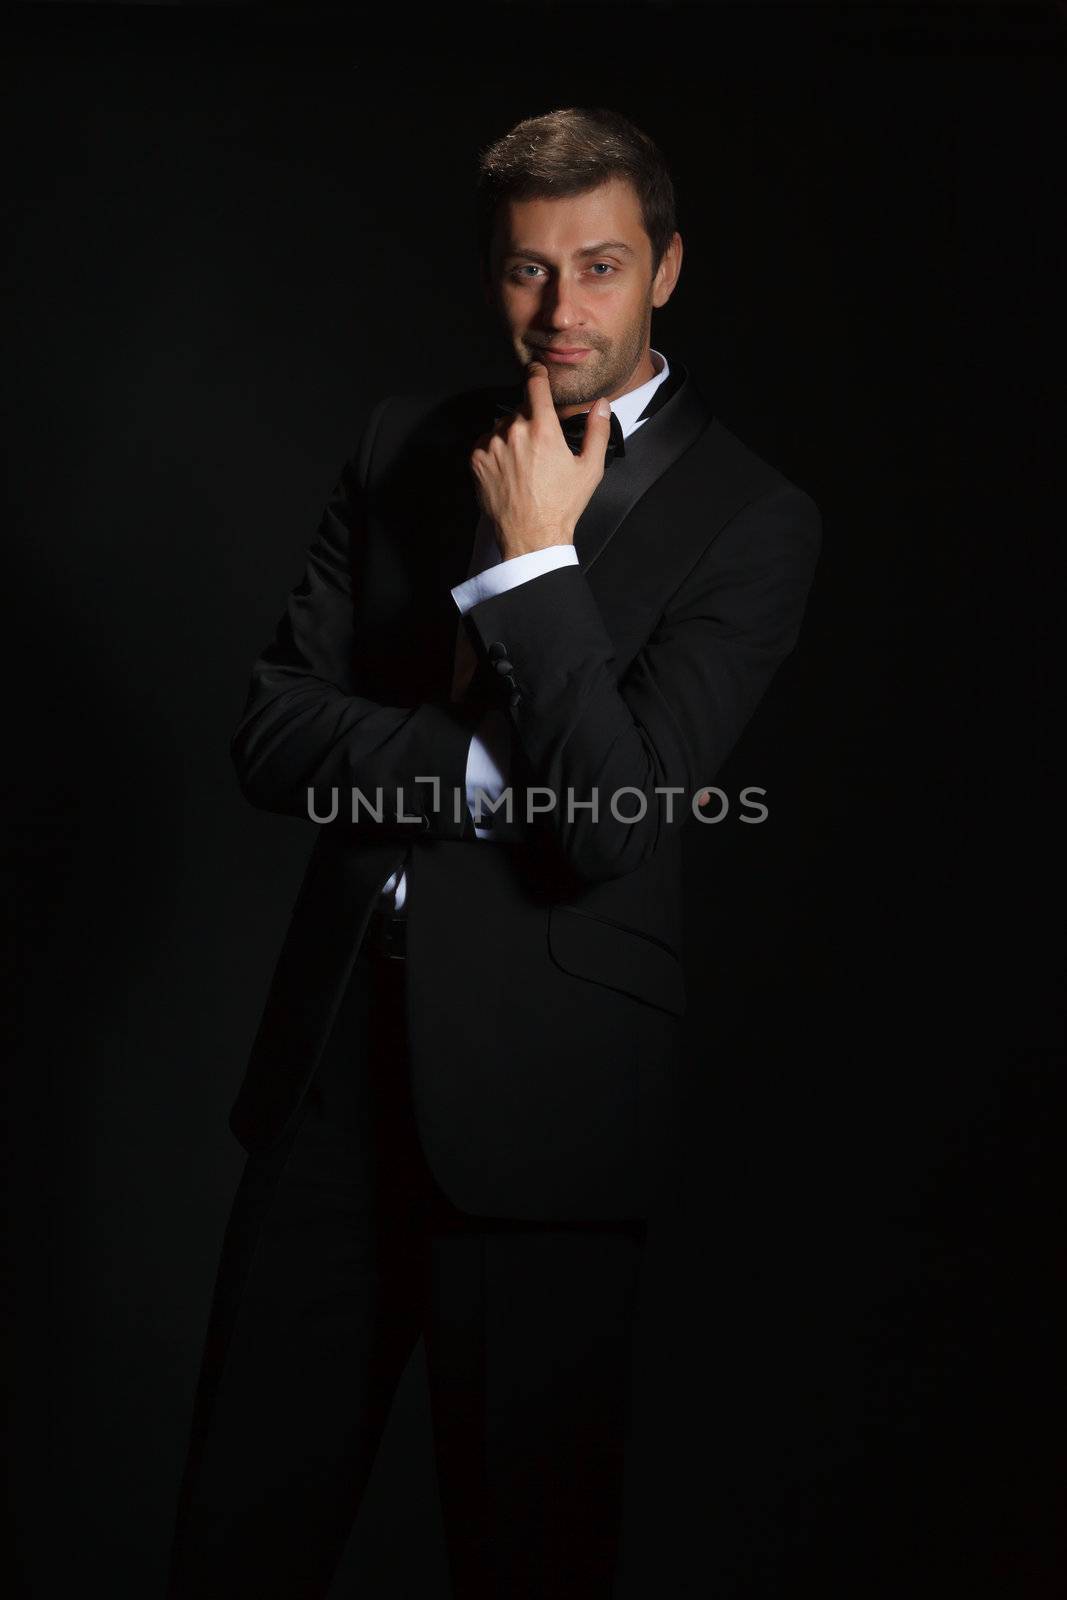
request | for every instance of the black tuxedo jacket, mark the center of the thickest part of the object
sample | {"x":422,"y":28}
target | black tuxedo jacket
{"x":545,"y":984}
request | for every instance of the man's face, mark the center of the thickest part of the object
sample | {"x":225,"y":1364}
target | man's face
{"x":575,"y":275}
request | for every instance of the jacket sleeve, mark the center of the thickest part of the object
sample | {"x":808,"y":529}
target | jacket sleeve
{"x":305,"y":726}
{"x":678,"y":710}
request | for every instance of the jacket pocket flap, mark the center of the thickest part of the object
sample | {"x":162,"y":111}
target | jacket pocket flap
{"x":622,"y":958}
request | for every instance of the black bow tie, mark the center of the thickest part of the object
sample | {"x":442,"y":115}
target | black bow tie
{"x":574,"y":432}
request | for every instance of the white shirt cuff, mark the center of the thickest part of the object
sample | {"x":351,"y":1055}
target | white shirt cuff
{"x":508,"y":574}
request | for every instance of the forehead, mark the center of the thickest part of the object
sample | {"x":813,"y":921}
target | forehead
{"x":561,"y":225}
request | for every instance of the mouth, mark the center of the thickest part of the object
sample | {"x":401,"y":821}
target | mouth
{"x":563,"y":357}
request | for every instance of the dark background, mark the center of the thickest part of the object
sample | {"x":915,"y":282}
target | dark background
{"x":231,"y":230}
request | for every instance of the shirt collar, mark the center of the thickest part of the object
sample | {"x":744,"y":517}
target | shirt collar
{"x":628,"y":407}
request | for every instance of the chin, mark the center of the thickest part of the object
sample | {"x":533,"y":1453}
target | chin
{"x":571,"y":394}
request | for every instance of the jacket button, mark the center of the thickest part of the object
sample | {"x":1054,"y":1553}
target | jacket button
{"x":515,"y":698}
{"x":497,"y":650}
{"x":503,"y":666}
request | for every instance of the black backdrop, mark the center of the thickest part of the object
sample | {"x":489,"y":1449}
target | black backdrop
{"x":231,"y":231}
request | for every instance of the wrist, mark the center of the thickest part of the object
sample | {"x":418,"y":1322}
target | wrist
{"x":522,"y":542}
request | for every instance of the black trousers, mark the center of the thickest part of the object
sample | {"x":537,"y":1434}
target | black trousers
{"x":339,"y":1253}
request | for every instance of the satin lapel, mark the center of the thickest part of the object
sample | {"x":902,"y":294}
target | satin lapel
{"x":434,"y":509}
{"x":650,"y":450}
{"x":456,"y":511}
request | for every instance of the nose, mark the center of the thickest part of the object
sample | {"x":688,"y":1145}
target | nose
{"x":559,"y":306}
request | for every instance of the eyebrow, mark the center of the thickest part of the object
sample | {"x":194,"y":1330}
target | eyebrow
{"x":588,"y":250}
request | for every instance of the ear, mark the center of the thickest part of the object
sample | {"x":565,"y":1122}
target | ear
{"x":667,"y":272}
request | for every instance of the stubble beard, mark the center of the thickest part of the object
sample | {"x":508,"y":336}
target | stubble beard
{"x":581,"y":386}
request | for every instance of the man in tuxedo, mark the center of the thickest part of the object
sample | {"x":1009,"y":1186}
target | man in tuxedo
{"x":533,"y":623}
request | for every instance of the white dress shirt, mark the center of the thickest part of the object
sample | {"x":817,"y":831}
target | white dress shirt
{"x":487,"y":757}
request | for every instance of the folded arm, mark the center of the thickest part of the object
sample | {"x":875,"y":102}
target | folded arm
{"x":677,"y":712}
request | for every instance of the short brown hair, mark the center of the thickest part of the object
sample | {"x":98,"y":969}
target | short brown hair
{"x":567,"y":152}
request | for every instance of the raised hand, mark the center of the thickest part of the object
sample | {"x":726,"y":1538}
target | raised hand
{"x":529,"y":483}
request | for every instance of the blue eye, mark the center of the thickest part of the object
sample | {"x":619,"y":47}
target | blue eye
{"x":530,"y":267}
